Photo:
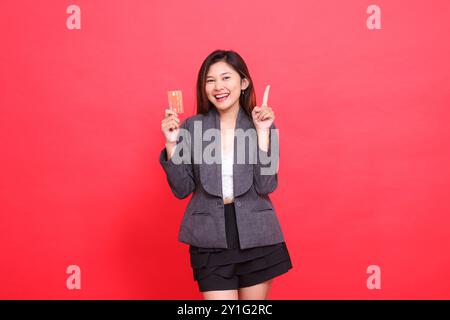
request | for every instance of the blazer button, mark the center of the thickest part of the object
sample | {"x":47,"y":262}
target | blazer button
{"x":238,"y":203}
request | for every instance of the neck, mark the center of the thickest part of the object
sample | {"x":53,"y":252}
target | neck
{"x":229,"y":115}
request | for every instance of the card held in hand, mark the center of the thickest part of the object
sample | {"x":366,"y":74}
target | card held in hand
{"x":175,"y":101}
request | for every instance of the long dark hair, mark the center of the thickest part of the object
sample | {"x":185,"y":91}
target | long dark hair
{"x":247,"y":100}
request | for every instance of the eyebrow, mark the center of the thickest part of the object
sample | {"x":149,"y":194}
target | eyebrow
{"x":220,"y":74}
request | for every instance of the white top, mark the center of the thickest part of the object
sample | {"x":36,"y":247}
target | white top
{"x":227,"y":174}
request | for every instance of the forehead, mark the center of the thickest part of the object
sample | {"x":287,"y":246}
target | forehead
{"x":218,"y":68}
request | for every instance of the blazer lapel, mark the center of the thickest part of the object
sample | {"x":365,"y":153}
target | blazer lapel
{"x":242,"y":172}
{"x":211,"y":174}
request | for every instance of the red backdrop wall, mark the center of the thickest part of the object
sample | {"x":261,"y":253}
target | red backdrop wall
{"x":365,"y":143}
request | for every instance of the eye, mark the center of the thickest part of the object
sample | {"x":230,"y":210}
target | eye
{"x":226,"y":78}
{"x":207,"y":81}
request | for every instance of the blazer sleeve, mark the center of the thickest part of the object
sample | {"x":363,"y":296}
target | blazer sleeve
{"x":266,"y":182}
{"x":179,"y":176}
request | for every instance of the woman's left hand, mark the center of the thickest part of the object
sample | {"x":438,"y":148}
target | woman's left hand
{"x":263,"y":116}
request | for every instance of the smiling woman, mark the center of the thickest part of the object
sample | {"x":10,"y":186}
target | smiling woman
{"x":235,"y":240}
{"x":224,"y":82}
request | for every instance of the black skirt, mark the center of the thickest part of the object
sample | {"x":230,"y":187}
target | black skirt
{"x":233,"y":261}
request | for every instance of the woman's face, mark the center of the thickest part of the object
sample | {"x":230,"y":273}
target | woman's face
{"x":224,"y":85}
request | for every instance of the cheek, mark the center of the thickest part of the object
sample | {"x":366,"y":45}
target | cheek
{"x":236,"y":90}
{"x":209,"y":95}
{"x":210,"y":86}
{"x":237,"y":87}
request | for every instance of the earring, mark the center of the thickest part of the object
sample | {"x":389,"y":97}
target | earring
{"x":242,"y":92}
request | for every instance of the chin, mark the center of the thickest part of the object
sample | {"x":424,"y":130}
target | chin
{"x":224,"y":107}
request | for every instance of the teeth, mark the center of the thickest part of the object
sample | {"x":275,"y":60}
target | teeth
{"x":221,"y":96}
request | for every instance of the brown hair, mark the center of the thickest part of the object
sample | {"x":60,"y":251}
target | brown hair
{"x":247,"y":100}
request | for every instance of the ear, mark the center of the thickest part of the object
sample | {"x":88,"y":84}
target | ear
{"x":244,"y":83}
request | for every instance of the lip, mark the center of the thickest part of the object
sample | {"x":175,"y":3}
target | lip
{"x":224,"y":99}
{"x":221,"y":94}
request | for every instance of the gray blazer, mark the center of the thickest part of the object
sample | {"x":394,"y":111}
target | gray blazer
{"x":203,"y":223}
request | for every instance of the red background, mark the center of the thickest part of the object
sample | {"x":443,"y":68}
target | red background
{"x":363,"y":117}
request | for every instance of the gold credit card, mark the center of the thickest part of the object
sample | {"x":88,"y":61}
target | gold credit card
{"x":175,"y":101}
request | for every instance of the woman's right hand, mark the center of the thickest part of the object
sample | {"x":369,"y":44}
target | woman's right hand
{"x":170,"y":126}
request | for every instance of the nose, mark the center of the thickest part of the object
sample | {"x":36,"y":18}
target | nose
{"x":218,"y":85}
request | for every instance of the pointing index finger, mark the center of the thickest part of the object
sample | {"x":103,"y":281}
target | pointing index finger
{"x":266,"y":96}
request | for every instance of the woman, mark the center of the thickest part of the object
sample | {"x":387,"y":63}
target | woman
{"x":236,"y":243}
